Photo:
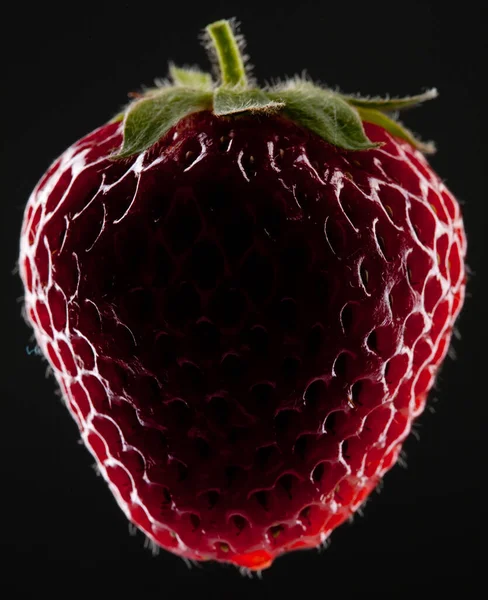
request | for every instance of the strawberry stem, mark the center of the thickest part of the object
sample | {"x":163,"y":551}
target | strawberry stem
{"x":226,"y":47}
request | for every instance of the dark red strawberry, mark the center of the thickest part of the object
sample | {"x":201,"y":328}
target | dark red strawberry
{"x":245,"y":296}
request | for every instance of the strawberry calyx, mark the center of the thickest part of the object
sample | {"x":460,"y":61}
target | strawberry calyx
{"x":337,"y":118}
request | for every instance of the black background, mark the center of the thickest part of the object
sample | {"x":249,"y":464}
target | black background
{"x":67,"y":69}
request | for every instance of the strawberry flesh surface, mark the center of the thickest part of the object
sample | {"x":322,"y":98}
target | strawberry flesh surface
{"x":244,"y":320}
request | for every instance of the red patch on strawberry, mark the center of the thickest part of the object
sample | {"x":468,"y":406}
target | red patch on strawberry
{"x":245,"y":303}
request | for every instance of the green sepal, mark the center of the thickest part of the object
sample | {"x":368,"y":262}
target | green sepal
{"x":230,"y":101}
{"x":190,"y":77}
{"x":395,"y":128}
{"x":325,"y":113}
{"x":148,"y":119}
{"x":390,"y":104}
{"x":118,"y":117}
{"x":336,"y":118}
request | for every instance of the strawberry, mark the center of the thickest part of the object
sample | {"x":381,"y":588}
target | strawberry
{"x":245,"y":295}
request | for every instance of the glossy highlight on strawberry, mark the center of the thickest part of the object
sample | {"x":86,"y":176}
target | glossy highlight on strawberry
{"x":245,"y":319}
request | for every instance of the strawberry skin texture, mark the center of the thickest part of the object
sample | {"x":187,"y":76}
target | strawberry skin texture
{"x":244,"y":321}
